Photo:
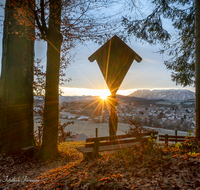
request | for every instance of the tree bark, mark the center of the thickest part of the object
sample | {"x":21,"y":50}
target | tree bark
{"x":16,"y":91}
{"x":49,"y":148}
{"x":197,"y":69}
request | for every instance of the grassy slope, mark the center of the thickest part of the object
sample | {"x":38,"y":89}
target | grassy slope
{"x":136,"y":168}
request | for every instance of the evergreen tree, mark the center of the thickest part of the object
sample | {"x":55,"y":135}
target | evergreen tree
{"x":183,"y":48}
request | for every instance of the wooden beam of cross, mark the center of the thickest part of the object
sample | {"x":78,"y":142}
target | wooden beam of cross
{"x":114,"y":59}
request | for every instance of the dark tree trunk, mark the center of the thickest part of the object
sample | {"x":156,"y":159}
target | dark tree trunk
{"x":197,"y":69}
{"x":49,"y":148}
{"x":16,"y":92}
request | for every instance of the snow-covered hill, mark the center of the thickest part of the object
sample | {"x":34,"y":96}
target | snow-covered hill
{"x":164,"y":94}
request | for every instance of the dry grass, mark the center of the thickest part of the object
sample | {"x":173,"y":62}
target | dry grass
{"x":69,"y":151}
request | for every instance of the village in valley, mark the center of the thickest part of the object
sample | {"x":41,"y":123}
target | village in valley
{"x":158,"y":113}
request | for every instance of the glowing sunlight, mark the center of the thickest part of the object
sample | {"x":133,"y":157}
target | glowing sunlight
{"x":104,"y":94}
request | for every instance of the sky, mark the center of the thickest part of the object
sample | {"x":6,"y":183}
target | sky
{"x":87,"y":79}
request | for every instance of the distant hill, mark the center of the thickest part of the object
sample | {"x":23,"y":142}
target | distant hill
{"x":164,"y":94}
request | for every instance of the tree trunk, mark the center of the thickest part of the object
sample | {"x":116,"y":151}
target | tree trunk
{"x":197,"y":69}
{"x":49,"y":148}
{"x":16,"y":92}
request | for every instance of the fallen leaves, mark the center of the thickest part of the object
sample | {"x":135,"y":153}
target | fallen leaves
{"x":133,"y":168}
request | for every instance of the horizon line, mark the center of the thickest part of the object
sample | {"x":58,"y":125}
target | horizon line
{"x":75,"y":91}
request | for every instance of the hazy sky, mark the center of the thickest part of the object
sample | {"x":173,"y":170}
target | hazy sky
{"x":87,"y":79}
{"x":150,"y":73}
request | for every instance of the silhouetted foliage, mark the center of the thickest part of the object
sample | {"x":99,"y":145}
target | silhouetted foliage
{"x":181,"y":47}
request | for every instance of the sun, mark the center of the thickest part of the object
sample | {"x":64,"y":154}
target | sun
{"x":104,"y":93}
{"x":103,"y":96}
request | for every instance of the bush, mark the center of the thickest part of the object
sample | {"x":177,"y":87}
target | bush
{"x":62,"y":135}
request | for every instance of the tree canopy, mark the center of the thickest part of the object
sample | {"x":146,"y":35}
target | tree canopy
{"x":61,"y":24}
{"x":181,"y":46}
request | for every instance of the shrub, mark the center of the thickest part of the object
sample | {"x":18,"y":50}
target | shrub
{"x":62,"y":135}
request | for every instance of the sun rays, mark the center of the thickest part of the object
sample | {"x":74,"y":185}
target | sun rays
{"x":104,"y":94}
{"x":100,"y":108}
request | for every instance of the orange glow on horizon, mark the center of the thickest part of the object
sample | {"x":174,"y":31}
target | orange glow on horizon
{"x":73,"y":91}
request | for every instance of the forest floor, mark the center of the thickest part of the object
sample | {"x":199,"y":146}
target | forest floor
{"x":140,"y":167}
